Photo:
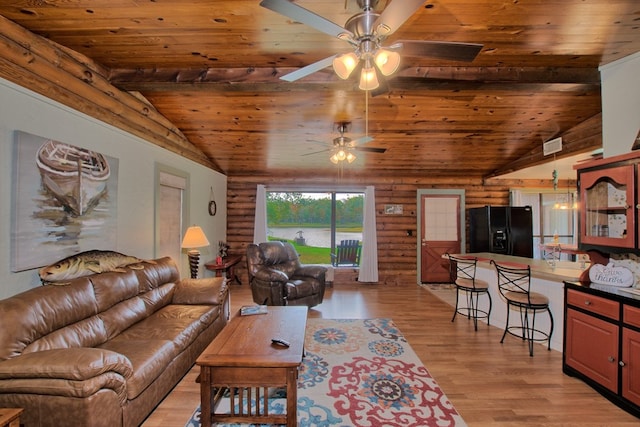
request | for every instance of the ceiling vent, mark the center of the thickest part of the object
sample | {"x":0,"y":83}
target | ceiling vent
{"x":552,"y":146}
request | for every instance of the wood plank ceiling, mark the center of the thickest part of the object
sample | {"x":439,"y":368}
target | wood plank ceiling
{"x":212,"y":69}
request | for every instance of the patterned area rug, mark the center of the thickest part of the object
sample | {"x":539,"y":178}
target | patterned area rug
{"x":362,"y":373}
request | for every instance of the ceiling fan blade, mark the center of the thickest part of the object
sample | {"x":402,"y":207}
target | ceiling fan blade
{"x":361,"y":140}
{"x":370,"y":149}
{"x":394,"y":15}
{"x":313,"y":141}
{"x":442,"y":50}
{"x":305,"y":16}
{"x":316,"y":152}
{"x":309,"y":69}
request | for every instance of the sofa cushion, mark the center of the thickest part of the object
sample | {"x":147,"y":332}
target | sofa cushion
{"x":35,"y":313}
{"x":198,"y":291}
{"x":149,"y":358}
{"x":153,"y":274}
{"x":114,"y":287}
{"x":180,"y":324}
{"x":121,"y":316}
{"x":159,"y":297}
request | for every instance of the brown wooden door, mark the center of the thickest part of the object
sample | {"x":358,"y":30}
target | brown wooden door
{"x":440,"y":233}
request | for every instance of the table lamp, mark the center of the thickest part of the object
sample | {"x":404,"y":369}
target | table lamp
{"x":194,"y":238}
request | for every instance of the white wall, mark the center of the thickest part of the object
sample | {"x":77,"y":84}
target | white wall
{"x":620,"y":104}
{"x":21,"y":109}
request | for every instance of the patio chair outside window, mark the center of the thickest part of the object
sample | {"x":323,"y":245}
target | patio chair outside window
{"x":347,"y":253}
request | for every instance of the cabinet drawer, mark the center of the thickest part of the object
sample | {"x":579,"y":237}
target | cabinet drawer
{"x":594,"y":304}
{"x":631,"y":316}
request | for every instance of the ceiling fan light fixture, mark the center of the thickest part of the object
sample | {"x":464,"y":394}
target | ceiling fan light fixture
{"x":387,"y":61}
{"x":344,"y":64}
{"x":341,"y":155}
{"x":368,"y":78}
{"x":350,"y":157}
{"x":334,"y":159}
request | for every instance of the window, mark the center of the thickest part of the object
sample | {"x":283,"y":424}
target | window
{"x":554,"y":217}
{"x":315,"y":222}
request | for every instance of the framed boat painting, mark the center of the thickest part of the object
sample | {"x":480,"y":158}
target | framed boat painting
{"x":64,"y":201}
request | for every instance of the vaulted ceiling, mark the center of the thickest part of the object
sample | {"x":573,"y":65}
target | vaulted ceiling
{"x":213,"y":68}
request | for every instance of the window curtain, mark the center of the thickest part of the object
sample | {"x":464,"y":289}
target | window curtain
{"x":260,"y":220}
{"x":369,"y":256}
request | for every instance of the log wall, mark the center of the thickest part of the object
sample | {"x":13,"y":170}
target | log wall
{"x":397,"y":252}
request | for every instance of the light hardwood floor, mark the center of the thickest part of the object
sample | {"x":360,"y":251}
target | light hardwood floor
{"x":490,"y":384}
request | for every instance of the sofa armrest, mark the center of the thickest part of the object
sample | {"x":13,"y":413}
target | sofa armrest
{"x":208,"y":291}
{"x":78,"y":364}
{"x":309,"y":270}
{"x":265,"y":274}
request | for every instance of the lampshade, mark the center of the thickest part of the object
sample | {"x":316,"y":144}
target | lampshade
{"x":194,"y":238}
{"x":344,"y":64}
{"x":387,"y":61}
{"x":334,"y":159}
{"x":368,"y":78}
{"x":350,"y":157}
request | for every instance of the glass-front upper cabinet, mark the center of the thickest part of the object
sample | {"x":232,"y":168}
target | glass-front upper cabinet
{"x":607,"y":211}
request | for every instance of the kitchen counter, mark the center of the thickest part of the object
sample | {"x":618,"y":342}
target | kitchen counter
{"x":545,"y":279}
{"x":563,"y":271}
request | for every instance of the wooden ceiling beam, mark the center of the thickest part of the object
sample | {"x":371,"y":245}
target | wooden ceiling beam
{"x":78,"y":82}
{"x":268,"y":79}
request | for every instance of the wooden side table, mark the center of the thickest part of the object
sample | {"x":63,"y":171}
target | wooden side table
{"x":226,"y":267}
{"x":10,"y":417}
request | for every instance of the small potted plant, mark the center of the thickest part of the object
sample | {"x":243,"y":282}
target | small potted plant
{"x":223,"y":248}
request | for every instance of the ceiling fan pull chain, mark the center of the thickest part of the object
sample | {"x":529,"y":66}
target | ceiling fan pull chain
{"x":366,"y":113}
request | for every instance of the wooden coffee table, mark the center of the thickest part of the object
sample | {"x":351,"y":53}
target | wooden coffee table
{"x":10,"y":417}
{"x":243,"y":360}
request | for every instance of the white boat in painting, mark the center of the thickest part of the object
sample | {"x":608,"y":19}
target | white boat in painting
{"x":77,"y":177}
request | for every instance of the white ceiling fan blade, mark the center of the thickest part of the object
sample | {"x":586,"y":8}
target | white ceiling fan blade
{"x":316,"y":152}
{"x":305,"y":16}
{"x":309,"y":69}
{"x":394,"y":15}
{"x":443,"y":50}
{"x":361,"y":140}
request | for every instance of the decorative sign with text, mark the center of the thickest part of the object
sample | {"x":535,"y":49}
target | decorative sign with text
{"x":611,"y":275}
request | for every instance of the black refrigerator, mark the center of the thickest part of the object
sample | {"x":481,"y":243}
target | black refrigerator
{"x":504,"y":230}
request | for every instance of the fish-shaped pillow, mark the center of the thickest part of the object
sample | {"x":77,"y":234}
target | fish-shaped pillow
{"x":87,"y":263}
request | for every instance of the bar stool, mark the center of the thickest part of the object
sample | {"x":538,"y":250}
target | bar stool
{"x":514,"y":284}
{"x":463,"y":275}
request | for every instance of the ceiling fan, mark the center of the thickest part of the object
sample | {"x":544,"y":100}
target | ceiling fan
{"x":342,"y":146}
{"x":366,"y":32}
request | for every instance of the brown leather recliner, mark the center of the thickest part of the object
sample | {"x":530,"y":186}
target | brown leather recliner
{"x":277,"y":277}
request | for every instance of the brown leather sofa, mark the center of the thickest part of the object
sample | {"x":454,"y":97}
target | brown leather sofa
{"x":104,"y":350}
{"x":277,"y":277}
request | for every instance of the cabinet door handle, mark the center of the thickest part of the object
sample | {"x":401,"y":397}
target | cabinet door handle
{"x":612,"y":359}
{"x":587,"y":302}
{"x":621,"y":363}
